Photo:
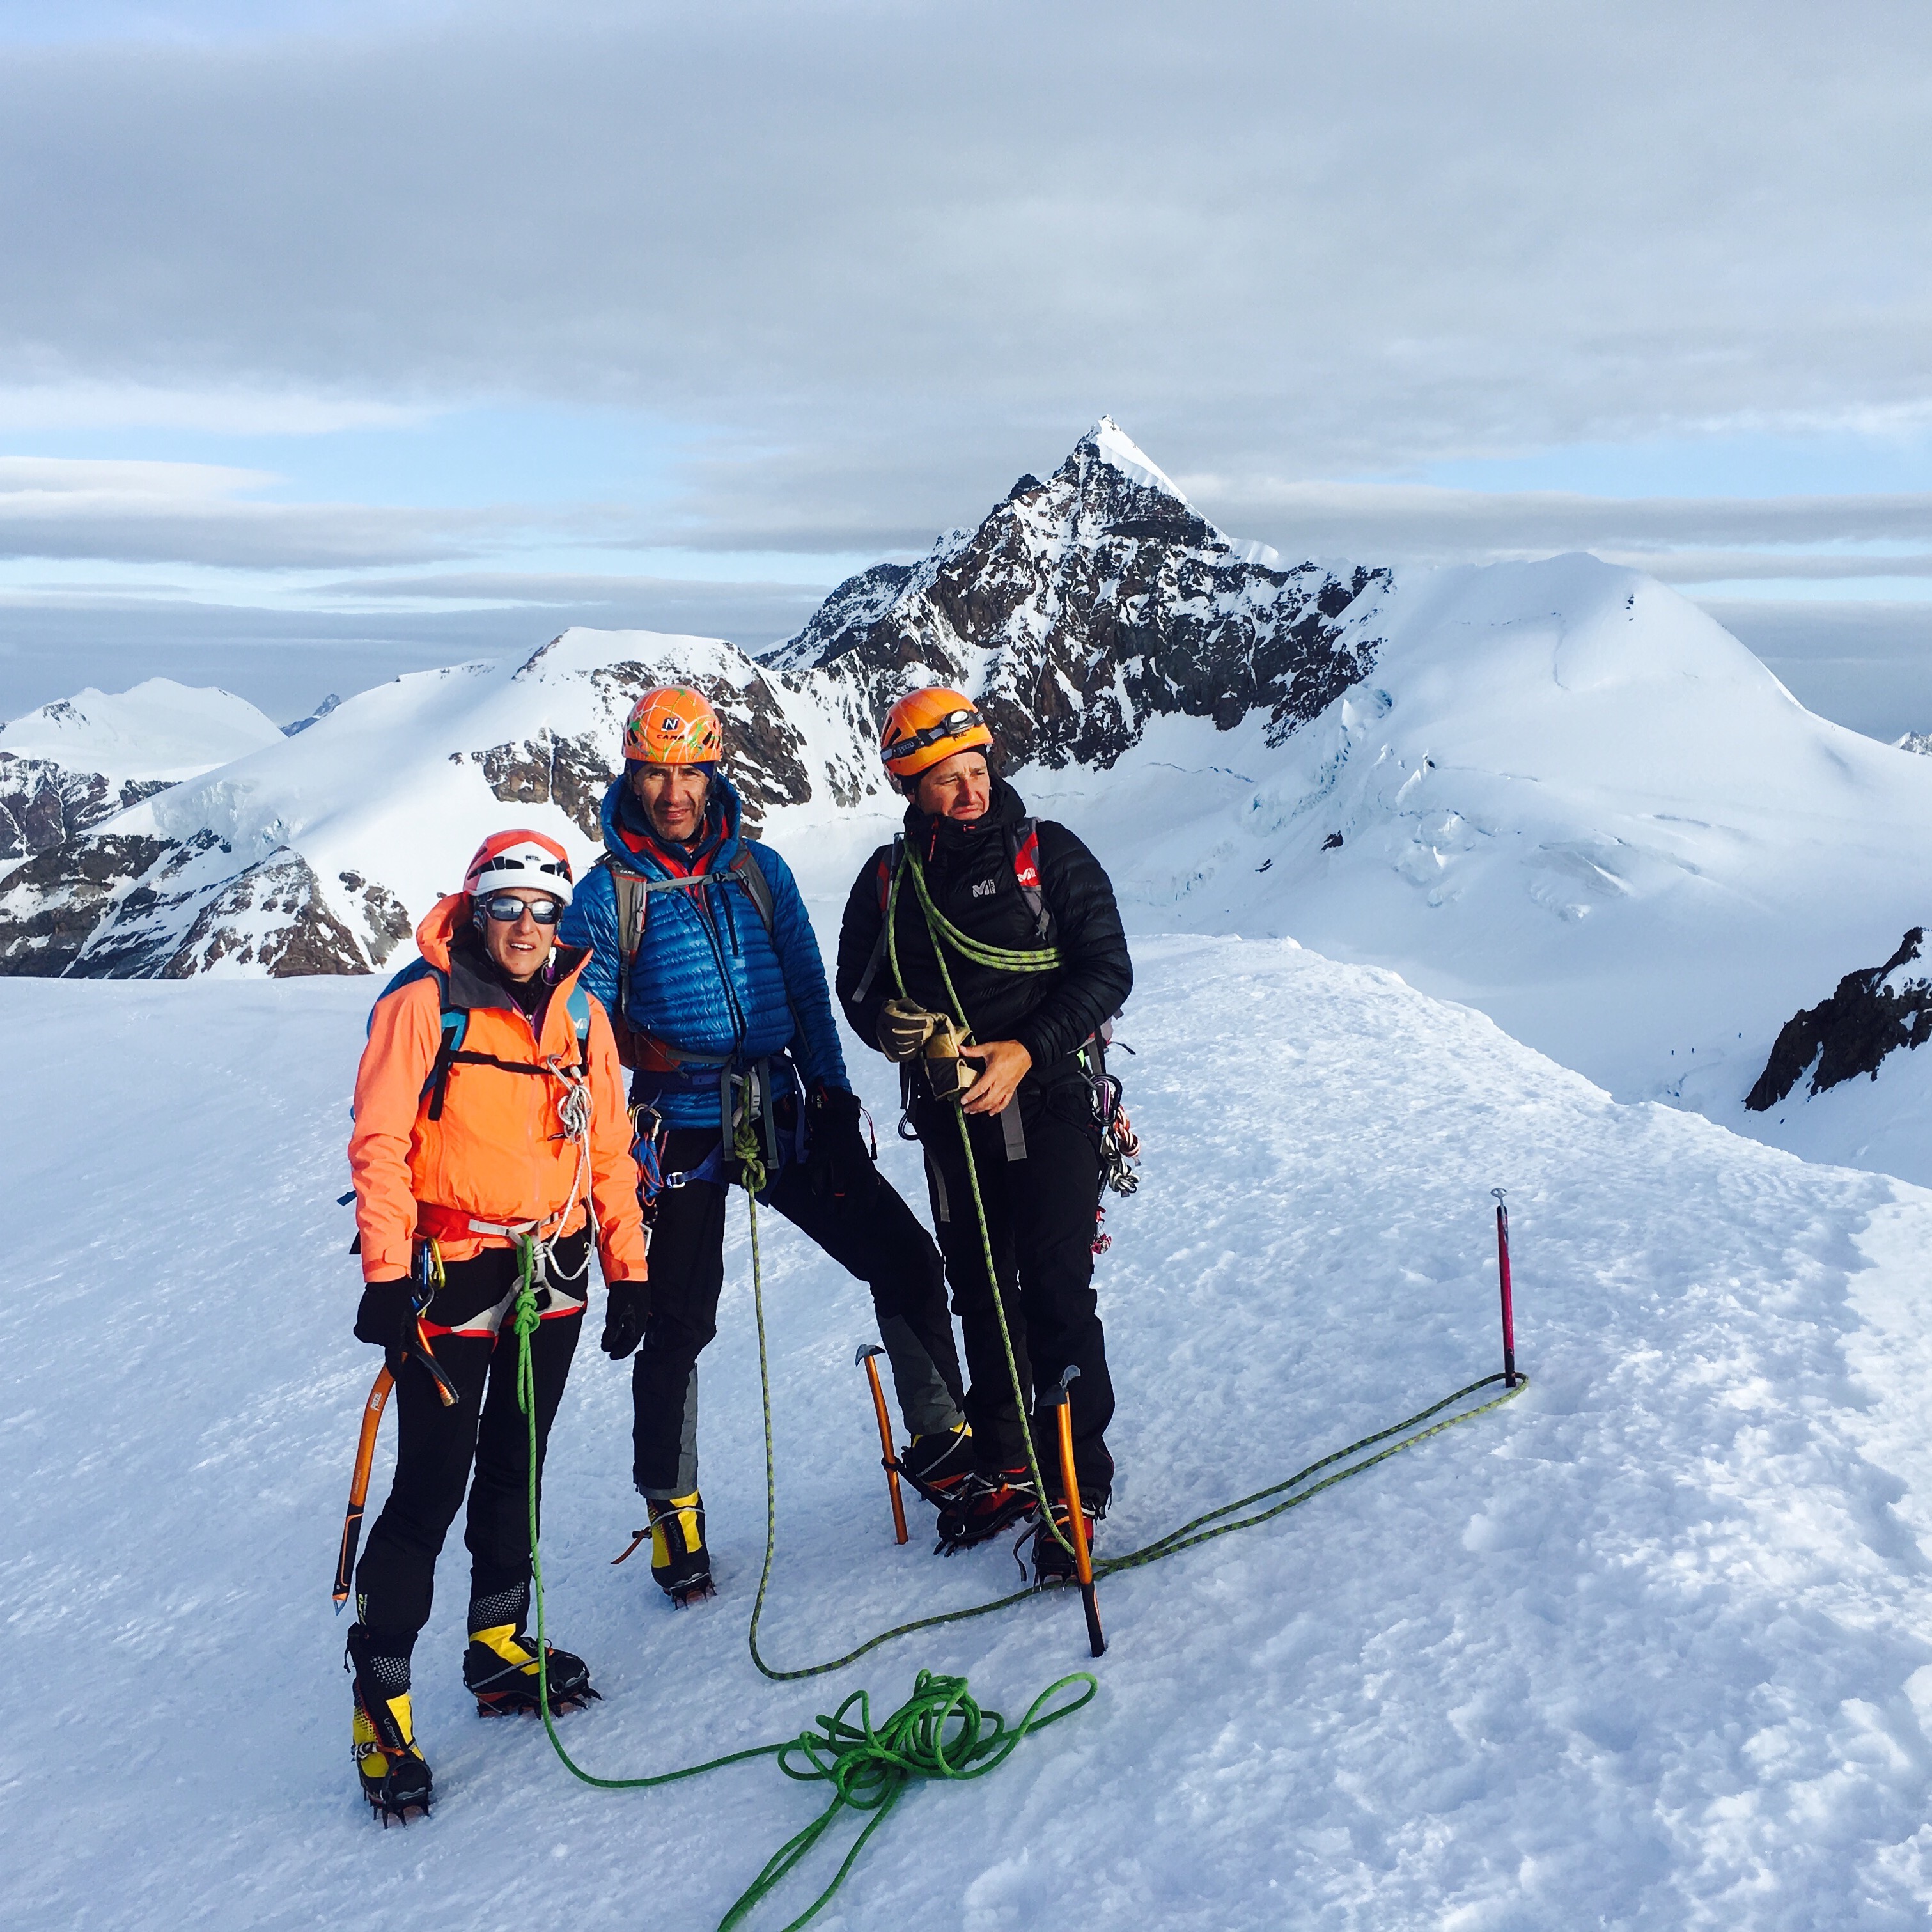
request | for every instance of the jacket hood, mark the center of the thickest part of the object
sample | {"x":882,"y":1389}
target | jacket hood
{"x":723,"y":795}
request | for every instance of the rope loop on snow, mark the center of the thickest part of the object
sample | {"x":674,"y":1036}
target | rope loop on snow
{"x":870,"y":1770}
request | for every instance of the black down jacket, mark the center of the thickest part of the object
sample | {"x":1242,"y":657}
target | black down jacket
{"x":969,"y":868}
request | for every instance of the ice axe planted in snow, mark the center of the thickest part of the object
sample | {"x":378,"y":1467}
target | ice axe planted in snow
{"x":869,"y":1353}
{"x":1511,"y":1378}
{"x":1060,"y":1402}
{"x":359,"y":1483}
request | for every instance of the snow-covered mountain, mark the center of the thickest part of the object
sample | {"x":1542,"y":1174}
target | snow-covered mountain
{"x":69,"y":765}
{"x":318,"y":853}
{"x":1557,"y":791}
{"x":1082,"y":607}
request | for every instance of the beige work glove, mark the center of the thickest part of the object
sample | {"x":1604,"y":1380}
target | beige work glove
{"x":904,"y":1029}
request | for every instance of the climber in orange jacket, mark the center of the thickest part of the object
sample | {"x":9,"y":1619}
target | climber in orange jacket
{"x":490,"y":1124}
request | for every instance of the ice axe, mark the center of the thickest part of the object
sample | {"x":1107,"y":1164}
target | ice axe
{"x":1060,"y":1402}
{"x":1511,"y":1378}
{"x":869,"y":1353}
{"x":359,"y":1483}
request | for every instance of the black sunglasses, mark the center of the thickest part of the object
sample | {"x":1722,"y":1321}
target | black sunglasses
{"x":507,"y":908}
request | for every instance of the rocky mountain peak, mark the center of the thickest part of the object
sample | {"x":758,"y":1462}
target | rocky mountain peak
{"x":1082,"y":606}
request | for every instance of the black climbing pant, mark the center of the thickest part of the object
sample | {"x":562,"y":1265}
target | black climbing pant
{"x":1040,"y":1221}
{"x":869,"y":1231}
{"x":437,"y":1447}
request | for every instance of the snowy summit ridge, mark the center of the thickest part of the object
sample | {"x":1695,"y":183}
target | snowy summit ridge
{"x":1084,"y":606}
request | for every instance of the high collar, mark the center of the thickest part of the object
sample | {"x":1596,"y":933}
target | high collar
{"x":933,"y":837}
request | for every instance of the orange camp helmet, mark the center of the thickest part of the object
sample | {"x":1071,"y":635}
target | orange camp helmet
{"x":926,"y":726}
{"x":673,"y":724}
{"x":520,"y":858}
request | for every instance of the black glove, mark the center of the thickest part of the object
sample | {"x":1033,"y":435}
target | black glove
{"x":837,"y":1160}
{"x":387,"y":1309}
{"x":627,"y":1308}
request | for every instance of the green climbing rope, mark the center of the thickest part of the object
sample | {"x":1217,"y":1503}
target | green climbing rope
{"x":943,"y":933}
{"x":868,"y":1768}
{"x":1000,"y":958}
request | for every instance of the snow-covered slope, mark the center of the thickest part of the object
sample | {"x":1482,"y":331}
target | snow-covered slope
{"x":70,"y":765}
{"x":1649,"y":1648}
{"x":1565,"y":796}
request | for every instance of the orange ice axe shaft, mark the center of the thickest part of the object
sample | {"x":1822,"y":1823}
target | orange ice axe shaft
{"x":358,"y":1484}
{"x":869,"y":1355}
{"x":1076,"y":1516}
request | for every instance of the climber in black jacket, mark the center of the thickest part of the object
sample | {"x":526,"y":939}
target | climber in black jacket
{"x":1008,"y":882}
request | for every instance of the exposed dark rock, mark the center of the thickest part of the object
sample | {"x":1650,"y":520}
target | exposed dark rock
{"x":273,"y":916}
{"x":388,"y":922}
{"x":1873,"y":1013}
{"x":50,"y":906}
{"x":43,"y":804}
{"x":1082,"y":606}
{"x":571,"y":773}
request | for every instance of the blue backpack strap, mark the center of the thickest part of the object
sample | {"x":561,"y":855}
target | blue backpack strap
{"x":578,"y":1007}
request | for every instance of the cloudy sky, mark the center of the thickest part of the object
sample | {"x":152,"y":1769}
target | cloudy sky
{"x":337,"y":337}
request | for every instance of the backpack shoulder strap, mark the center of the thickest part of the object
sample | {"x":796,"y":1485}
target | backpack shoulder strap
{"x":1023,"y":843}
{"x":578,"y":1007}
{"x":746,"y":867}
{"x":888,"y":865}
{"x":633,"y":905}
{"x":455,"y":1025}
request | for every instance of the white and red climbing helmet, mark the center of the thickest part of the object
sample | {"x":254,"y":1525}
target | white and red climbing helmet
{"x":520,"y":858}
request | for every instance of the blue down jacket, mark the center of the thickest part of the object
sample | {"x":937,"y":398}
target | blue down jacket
{"x":708,"y":977}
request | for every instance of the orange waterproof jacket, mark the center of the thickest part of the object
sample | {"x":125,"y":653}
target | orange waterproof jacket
{"x":499,"y":1153}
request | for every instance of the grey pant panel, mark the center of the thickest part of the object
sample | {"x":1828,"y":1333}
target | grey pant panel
{"x":925,"y":1402}
{"x":687,"y":1449}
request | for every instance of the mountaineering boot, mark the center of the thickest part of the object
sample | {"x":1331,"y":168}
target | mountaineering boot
{"x":983,"y":1506}
{"x":1051,"y":1564}
{"x":680,"y":1563}
{"x":394,"y":1776}
{"x":937,"y":1463}
{"x":499,"y":1669}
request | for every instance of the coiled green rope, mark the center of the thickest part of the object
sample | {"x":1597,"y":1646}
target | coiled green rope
{"x":868,"y":1768}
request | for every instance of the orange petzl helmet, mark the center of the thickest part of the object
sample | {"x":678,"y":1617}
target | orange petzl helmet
{"x":520,"y":858}
{"x":926,"y":726}
{"x":673,"y":724}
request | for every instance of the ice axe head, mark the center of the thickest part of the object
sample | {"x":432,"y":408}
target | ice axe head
{"x":866,"y":1349}
{"x":1068,"y":1377}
